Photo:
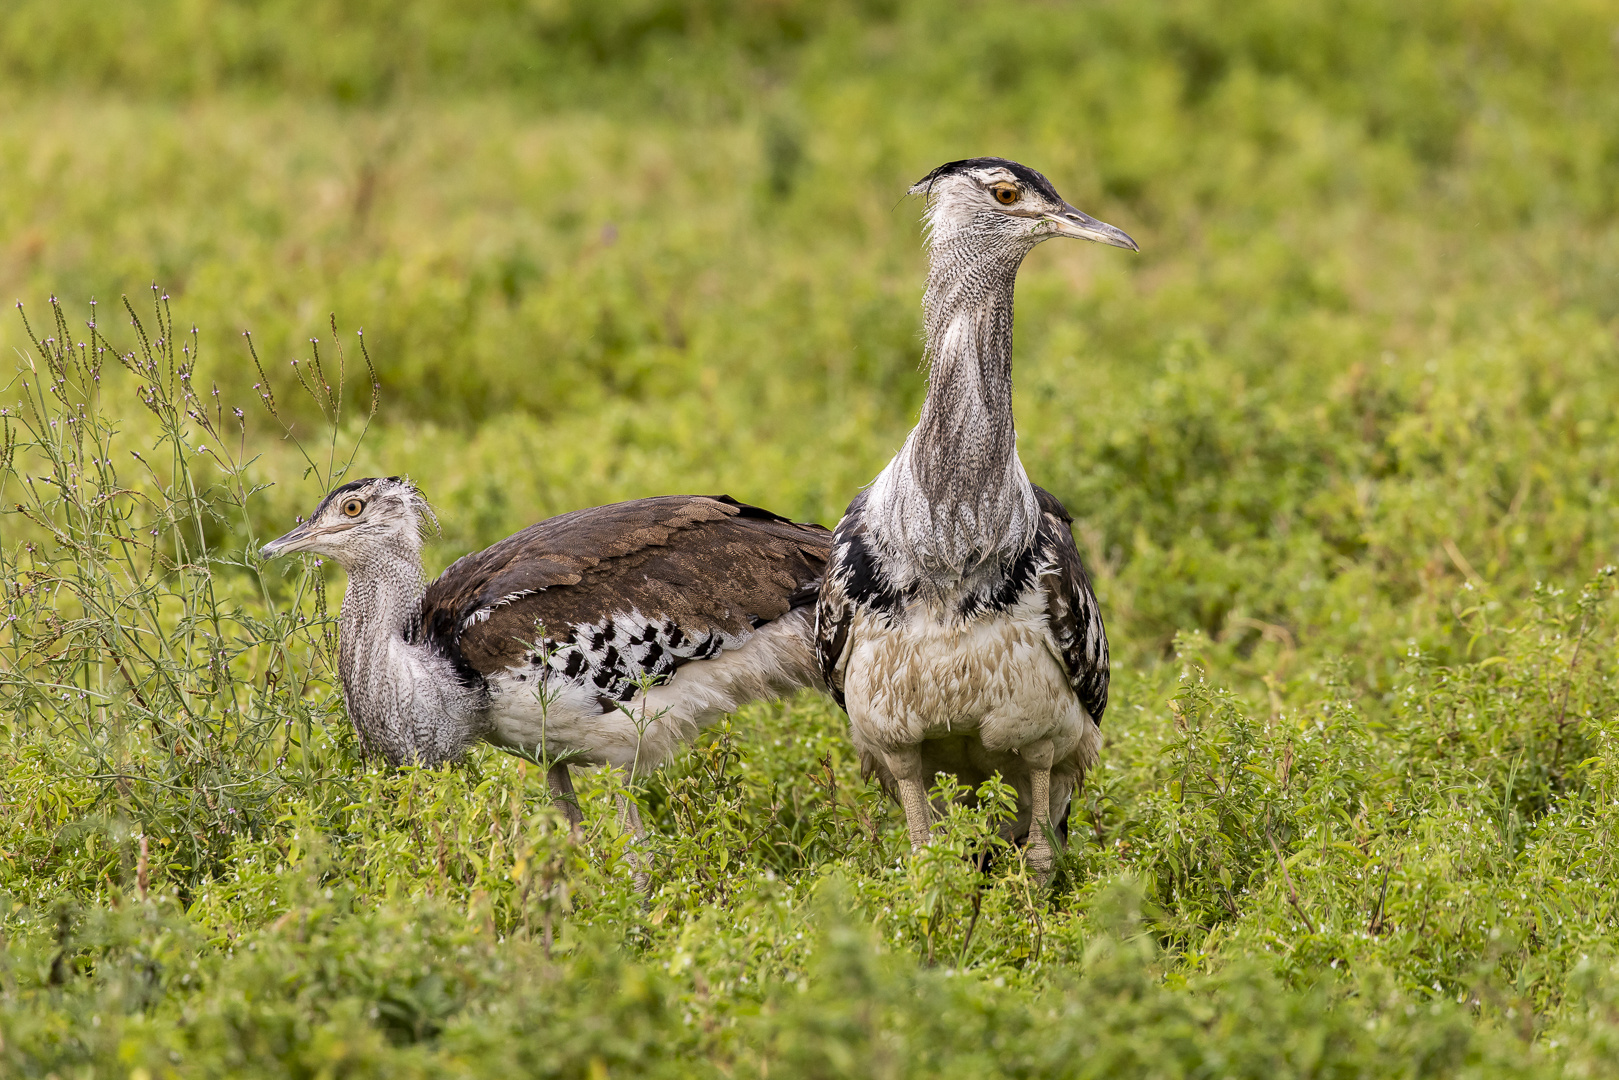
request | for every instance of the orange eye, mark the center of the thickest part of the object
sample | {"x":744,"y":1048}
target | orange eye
{"x":1005,"y":194}
{"x":352,"y":508}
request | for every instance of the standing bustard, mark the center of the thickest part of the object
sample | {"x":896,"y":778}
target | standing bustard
{"x":956,"y":623}
{"x":549,"y":642}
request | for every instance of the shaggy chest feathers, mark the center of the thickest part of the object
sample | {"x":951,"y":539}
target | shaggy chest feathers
{"x":1016,"y":629}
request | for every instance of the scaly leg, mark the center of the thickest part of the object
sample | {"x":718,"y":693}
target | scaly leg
{"x":906,"y":765}
{"x":1039,"y":851}
{"x":562,"y":794}
{"x":629,"y":817}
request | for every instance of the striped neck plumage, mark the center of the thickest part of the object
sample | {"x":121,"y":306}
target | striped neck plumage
{"x":376,"y":628}
{"x":956,"y":498}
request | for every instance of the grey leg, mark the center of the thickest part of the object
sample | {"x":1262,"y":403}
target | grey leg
{"x":1039,"y":851}
{"x":562,"y":794}
{"x":906,"y":765}
{"x":629,"y":818}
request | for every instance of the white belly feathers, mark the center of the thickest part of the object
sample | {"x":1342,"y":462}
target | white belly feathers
{"x":554,"y":716}
{"x":996,"y":676}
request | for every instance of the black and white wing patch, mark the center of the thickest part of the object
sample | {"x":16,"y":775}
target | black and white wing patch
{"x":1071,"y":607}
{"x":853,"y":581}
{"x":834,"y":608}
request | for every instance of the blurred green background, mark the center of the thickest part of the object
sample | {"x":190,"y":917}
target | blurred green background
{"x":1341,"y":439}
{"x":608,"y":250}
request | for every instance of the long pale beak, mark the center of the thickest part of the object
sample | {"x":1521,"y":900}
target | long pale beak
{"x":1073,"y":222}
{"x":292,"y":541}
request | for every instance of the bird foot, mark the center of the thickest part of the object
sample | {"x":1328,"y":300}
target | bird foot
{"x":1040,"y":861}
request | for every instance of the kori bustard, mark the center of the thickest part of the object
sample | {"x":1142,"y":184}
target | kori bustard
{"x":605,"y":636}
{"x":956,"y":623}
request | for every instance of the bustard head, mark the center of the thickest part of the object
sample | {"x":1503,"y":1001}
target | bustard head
{"x":1004,"y":205}
{"x":360,"y":523}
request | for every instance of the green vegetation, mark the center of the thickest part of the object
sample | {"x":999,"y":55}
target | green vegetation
{"x":1341,"y":443}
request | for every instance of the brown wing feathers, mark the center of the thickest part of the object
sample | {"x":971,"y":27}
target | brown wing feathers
{"x":696,"y":571}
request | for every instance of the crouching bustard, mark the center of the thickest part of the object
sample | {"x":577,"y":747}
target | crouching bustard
{"x":956,"y":623}
{"x":607,"y":635}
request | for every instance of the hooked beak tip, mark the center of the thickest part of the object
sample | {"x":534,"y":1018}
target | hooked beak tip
{"x":281,"y":545}
{"x":1081,"y":226}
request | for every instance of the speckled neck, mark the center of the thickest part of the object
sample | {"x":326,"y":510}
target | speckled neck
{"x":956,"y":498}
{"x":404,"y":700}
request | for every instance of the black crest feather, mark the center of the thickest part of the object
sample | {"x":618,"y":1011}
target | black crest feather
{"x":1027,"y":175}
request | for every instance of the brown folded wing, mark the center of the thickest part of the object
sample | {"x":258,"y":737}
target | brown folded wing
{"x":696,"y":573}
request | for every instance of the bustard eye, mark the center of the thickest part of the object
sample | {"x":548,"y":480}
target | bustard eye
{"x":352,"y":508}
{"x":1005,"y":194}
